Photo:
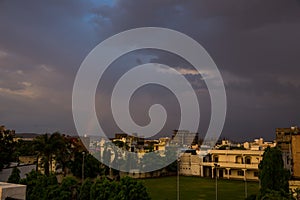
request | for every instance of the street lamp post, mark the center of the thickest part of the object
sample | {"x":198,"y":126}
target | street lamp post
{"x":246,"y":190}
{"x":178,"y":186}
{"x":216,"y":175}
{"x":83,"y":154}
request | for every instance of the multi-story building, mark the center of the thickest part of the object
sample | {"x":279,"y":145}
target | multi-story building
{"x":296,"y":156}
{"x":232,"y":164}
{"x":287,"y":140}
{"x":227,"y":164}
{"x":190,"y":164}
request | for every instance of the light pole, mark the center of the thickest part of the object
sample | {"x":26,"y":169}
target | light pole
{"x":246,"y":191}
{"x":178,"y":170}
{"x":216,"y":175}
{"x":83,"y":153}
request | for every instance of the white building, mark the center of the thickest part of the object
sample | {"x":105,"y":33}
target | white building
{"x":15,"y":191}
{"x":227,"y":164}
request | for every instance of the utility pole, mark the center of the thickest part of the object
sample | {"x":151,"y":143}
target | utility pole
{"x":178,"y":186}
{"x":83,"y":153}
{"x":246,"y":190}
{"x":216,"y":175}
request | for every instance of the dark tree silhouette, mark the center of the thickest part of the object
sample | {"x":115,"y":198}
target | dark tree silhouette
{"x":272,"y":175}
{"x":15,"y":176}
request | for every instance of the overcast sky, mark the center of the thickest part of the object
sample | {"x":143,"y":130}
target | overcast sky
{"x":255,"y":44}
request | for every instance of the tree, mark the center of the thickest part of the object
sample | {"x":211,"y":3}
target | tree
{"x":272,"y":175}
{"x":64,"y":153}
{"x":7,"y":147}
{"x":25,"y":148}
{"x":43,"y":147}
{"x":85,"y":189}
{"x":103,"y":189}
{"x":91,"y":165}
{"x":276,"y":195}
{"x":69,"y":188}
{"x":39,"y":186}
{"x":48,"y":147}
{"x":132,"y":189}
{"x":14,"y":176}
{"x":126,"y":189}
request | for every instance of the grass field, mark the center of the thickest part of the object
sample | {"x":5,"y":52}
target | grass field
{"x":198,"y":188}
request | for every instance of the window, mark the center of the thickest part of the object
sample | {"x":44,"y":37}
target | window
{"x":239,"y":159}
{"x":255,"y":174}
{"x":216,"y":159}
{"x":248,"y":160}
{"x":240,"y":173}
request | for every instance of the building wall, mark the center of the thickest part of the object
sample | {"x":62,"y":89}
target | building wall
{"x":283,"y":140}
{"x":227,"y":164}
{"x":52,"y":166}
{"x":288,"y":140}
{"x":235,"y":164}
{"x":190,"y":165}
{"x":27,"y":159}
{"x":15,"y":191}
{"x":296,"y":156}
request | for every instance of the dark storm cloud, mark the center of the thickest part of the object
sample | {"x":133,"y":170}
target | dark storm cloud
{"x":41,"y":45}
{"x":254,"y":43}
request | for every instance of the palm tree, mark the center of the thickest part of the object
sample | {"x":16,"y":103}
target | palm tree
{"x":63,"y":155}
{"x":47,"y":147}
{"x":42,"y":146}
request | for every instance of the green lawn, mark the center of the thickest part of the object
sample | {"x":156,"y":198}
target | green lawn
{"x":198,"y":188}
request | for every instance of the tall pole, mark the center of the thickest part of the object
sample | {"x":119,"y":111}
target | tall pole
{"x":294,"y":130}
{"x":83,"y":153}
{"x":216,"y":175}
{"x":178,"y":194}
{"x":246,"y":192}
{"x":258,"y":176}
{"x":290,"y":149}
{"x":216,"y":185}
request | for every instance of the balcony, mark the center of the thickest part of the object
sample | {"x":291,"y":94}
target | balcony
{"x":232,"y":165}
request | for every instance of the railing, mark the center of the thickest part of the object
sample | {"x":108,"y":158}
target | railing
{"x":232,"y":165}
